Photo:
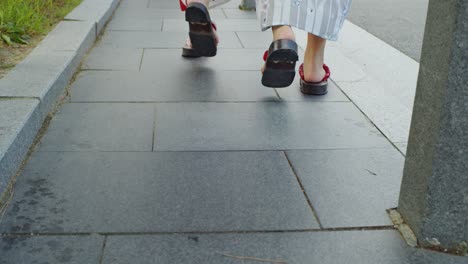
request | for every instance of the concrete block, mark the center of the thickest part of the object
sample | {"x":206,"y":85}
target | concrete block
{"x":19,"y":123}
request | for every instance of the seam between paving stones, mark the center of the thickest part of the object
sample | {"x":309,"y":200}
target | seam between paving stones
{"x":103,"y":248}
{"x":240,"y":41}
{"x":224,"y":13}
{"x":338,"y":229}
{"x":214,"y":151}
{"x":311,"y":206}
{"x":6,"y":98}
{"x":369,"y":120}
{"x":141,"y":60}
{"x":153,"y":141}
{"x":281,"y":99}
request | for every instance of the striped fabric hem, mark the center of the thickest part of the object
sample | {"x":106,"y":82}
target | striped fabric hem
{"x":323,"y":18}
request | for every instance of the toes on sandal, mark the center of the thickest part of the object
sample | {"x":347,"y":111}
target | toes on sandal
{"x":280,"y":63}
{"x":315,"y":88}
{"x":201,"y":32}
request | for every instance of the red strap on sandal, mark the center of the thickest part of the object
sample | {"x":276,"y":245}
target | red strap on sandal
{"x":325,"y":78}
{"x":183,"y":6}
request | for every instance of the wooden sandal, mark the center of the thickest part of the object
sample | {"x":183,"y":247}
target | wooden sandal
{"x":280,"y":63}
{"x":202,"y":31}
{"x":315,"y":88}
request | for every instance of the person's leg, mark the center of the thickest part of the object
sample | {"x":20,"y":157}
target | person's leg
{"x":283,"y":32}
{"x":205,"y":2}
{"x":314,"y":59}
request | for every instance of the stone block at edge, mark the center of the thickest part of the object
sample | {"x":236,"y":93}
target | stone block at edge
{"x":49,"y":72}
{"x":19,"y":122}
{"x":101,"y":23}
{"x":98,"y":11}
{"x":89,"y":10}
{"x":77,"y":36}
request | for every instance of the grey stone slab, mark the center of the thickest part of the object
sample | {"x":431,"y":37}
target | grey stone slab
{"x":50,"y":249}
{"x":106,"y":58}
{"x":350,"y":188}
{"x":135,"y":24}
{"x":163,"y":4}
{"x":236,"y":13}
{"x":164,"y":85}
{"x":378,"y":18}
{"x":256,"y":40}
{"x":171,"y":24}
{"x":104,"y":127}
{"x":157,"y":192}
{"x":133,"y":4}
{"x":263,"y":126}
{"x":48,"y":73}
{"x":139,"y":39}
{"x":76,"y":36}
{"x":226,"y":59}
{"x":294,"y":94}
{"x":366,"y":247}
{"x":19,"y":122}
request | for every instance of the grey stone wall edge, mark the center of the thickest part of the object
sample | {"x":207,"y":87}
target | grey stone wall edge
{"x":16,"y":153}
{"x":107,"y":15}
{"x":14,"y":156}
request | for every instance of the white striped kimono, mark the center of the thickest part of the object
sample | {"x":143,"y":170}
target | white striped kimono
{"x":323,"y":18}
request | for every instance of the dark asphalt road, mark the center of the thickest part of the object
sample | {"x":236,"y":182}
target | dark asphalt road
{"x":400,"y":23}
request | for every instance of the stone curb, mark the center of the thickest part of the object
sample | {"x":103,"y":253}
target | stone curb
{"x":32,"y":89}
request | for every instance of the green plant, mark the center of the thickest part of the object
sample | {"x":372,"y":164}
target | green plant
{"x":22,"y":19}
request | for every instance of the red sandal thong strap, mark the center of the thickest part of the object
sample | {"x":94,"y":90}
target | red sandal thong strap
{"x":325,"y":78}
{"x":183,"y":6}
{"x":265,"y":55}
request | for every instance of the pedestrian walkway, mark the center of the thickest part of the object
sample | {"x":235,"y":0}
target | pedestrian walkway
{"x":155,"y":158}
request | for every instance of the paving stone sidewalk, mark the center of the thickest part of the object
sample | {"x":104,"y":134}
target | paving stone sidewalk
{"x":159,"y":159}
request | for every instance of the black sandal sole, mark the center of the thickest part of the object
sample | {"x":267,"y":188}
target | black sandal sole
{"x":314,"y":88}
{"x":201,"y":32}
{"x":190,"y":53}
{"x":280,"y":66}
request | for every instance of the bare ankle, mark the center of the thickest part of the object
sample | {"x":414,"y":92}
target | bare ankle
{"x":313,"y":72}
{"x":205,"y":2}
{"x":283,"y":32}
